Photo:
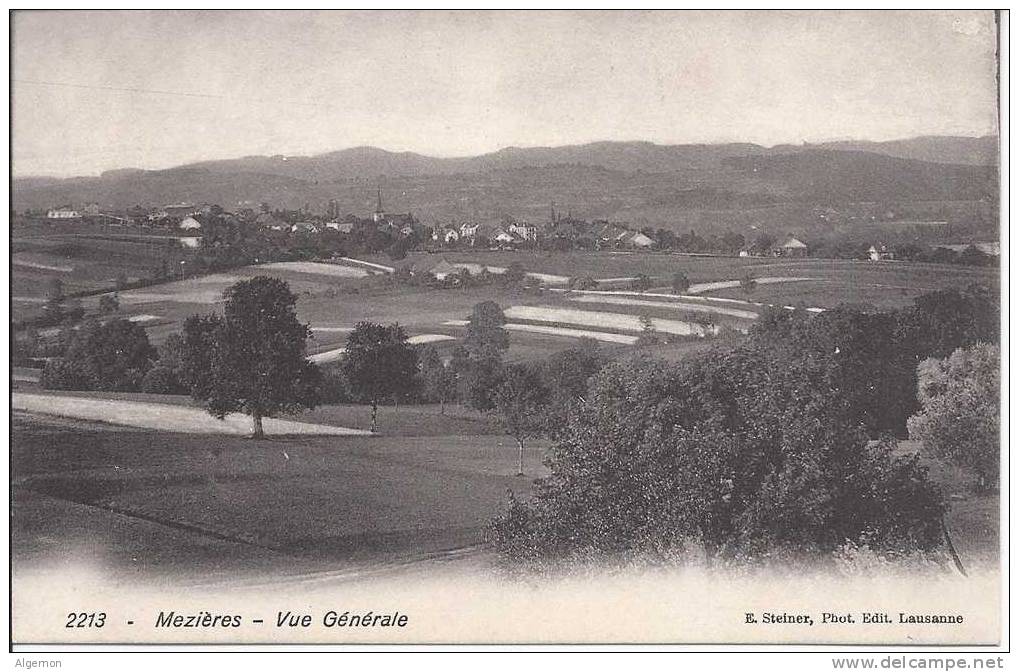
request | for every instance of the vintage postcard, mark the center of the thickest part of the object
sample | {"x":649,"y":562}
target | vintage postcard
{"x":506,"y":328}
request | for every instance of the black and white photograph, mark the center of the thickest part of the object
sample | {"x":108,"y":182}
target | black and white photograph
{"x":508,"y":328}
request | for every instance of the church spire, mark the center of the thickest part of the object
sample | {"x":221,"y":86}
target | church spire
{"x":378,"y":206}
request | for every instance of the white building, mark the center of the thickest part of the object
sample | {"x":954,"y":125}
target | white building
{"x":190,"y":223}
{"x":64,"y":212}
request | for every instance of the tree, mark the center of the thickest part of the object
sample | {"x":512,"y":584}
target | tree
{"x":114,"y":356}
{"x":514,"y":274}
{"x":398,"y":250}
{"x":438,"y":382}
{"x":737,"y":453}
{"x":732,"y":242}
{"x":55,"y":290}
{"x":641,"y":283}
{"x":478,"y":377}
{"x":566,"y":374}
{"x":485,"y":333}
{"x":521,"y":401}
{"x":648,"y":331}
{"x":680,"y":283}
{"x":748,"y":284}
{"x":960,"y":411}
{"x":108,"y":304}
{"x":379,"y":363}
{"x":252,"y":359}
{"x":763,"y":243}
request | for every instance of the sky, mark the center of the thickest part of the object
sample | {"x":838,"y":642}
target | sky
{"x":95,"y":91}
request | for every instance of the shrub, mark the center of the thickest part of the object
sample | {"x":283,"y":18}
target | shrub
{"x":960,"y":412}
{"x":61,"y":374}
{"x":162,"y":380}
{"x":112,"y":356}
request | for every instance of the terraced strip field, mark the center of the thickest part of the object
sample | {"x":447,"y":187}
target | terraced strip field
{"x":673,"y":305}
{"x":697,"y":288}
{"x":315,"y":268}
{"x":165,"y":417}
{"x":328,"y":356}
{"x":604,"y":320}
{"x":41,"y":266}
{"x":337,"y":353}
{"x":369,"y":264}
{"x":602,"y":336}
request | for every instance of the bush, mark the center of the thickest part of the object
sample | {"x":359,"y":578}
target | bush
{"x":113,"y":356}
{"x":960,"y":410}
{"x":162,"y":380}
{"x":60,"y":374}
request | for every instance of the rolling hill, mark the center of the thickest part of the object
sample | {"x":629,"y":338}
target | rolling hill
{"x":639,"y":181}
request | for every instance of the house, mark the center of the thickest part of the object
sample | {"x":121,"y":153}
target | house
{"x":304,"y":227}
{"x":503,"y":237}
{"x":181,"y":210}
{"x":190,"y":223}
{"x":468,"y":230}
{"x":342,"y":227}
{"x":268,"y":221}
{"x":524,"y":231}
{"x":880,"y":253}
{"x":445,"y":235}
{"x":792,"y":247}
{"x":442,"y":269}
{"x":63,"y":212}
{"x":611,"y":235}
{"x":636,"y":239}
{"x":190,"y":242}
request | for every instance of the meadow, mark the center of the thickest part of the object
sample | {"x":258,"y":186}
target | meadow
{"x":160,"y":502}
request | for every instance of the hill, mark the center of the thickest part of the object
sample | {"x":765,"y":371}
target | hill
{"x":637,"y":181}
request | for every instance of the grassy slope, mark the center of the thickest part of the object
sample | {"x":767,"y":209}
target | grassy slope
{"x":292,"y":503}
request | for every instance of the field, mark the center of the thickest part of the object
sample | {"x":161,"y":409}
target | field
{"x":84,"y":258}
{"x":182,"y":494}
{"x":335,"y":296}
{"x":114,"y":495}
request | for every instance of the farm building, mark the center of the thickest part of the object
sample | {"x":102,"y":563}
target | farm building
{"x":503,"y":237}
{"x":304,"y":227}
{"x":880,"y":253}
{"x":342,"y":227}
{"x":268,"y":221}
{"x":191,"y":242}
{"x":442,"y":269}
{"x":636,"y":239}
{"x":792,"y":247}
{"x":190,"y":223}
{"x":181,"y":210}
{"x":524,"y":230}
{"x":63,"y":212}
{"x":445,"y":235}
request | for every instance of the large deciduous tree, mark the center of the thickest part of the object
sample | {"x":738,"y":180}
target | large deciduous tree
{"x":737,"y":454}
{"x":485,"y":333}
{"x":114,"y":356}
{"x":379,"y":363}
{"x":252,"y":358}
{"x":960,"y":411}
